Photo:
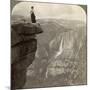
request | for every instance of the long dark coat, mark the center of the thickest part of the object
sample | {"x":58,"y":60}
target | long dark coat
{"x":33,"y":18}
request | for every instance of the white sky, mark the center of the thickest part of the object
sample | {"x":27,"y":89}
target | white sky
{"x":48,"y":10}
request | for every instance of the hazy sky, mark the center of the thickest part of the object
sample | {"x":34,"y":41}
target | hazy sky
{"x":47,"y":10}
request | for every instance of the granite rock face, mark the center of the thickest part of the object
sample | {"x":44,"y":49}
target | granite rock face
{"x":23,"y":49}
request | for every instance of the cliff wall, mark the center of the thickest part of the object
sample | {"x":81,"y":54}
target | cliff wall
{"x":23,"y":49}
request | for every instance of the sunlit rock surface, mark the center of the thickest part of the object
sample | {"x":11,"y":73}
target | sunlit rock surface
{"x":23,"y":49}
{"x":60,"y":56}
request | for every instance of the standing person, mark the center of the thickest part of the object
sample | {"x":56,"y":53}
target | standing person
{"x":33,"y":17}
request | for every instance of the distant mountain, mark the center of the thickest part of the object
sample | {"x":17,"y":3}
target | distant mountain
{"x":19,"y":19}
{"x":61,"y":52}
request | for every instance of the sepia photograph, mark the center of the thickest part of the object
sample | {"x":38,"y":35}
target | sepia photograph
{"x":48,"y":44}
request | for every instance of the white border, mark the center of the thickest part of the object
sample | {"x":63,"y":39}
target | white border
{"x":5,"y":45}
